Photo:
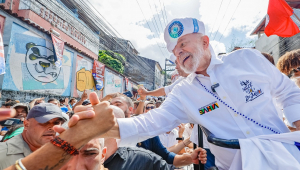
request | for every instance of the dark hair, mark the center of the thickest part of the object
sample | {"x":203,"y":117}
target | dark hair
{"x":52,"y":99}
{"x":269,"y":57}
{"x":11,"y":103}
{"x":7,"y":100}
{"x":72,"y":99}
{"x":11,"y":130}
{"x":71,"y":113}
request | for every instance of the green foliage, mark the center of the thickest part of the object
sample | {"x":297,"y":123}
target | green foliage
{"x":114,"y":55}
{"x":163,"y":72}
{"x":106,"y":58}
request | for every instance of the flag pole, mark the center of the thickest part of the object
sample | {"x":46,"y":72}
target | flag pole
{"x":297,"y":17}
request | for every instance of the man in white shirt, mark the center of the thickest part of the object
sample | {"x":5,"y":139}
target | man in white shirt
{"x":231,"y":96}
{"x":168,"y":139}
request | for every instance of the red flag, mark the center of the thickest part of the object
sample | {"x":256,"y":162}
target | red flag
{"x":278,"y":20}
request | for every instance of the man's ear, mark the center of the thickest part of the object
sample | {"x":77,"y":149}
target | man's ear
{"x":205,"y":41}
{"x":26,"y":124}
{"x":104,"y":151}
{"x":130,"y":109}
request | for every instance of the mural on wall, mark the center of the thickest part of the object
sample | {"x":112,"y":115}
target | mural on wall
{"x":30,"y":64}
{"x":113,"y":83}
{"x":84,"y":77}
{"x":40,"y":63}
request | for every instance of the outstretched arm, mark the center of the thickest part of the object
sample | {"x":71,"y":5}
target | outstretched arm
{"x":157,"y":92}
{"x":53,"y":157}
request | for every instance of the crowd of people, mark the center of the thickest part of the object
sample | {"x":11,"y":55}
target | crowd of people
{"x":83,"y":134}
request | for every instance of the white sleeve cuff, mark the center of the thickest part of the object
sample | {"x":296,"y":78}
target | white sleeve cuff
{"x":167,"y":90}
{"x":128,"y":132}
{"x":292,"y":113}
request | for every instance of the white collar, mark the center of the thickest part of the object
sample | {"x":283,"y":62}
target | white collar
{"x":214,"y":61}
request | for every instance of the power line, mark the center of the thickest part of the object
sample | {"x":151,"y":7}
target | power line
{"x":149,"y":26}
{"x":229,"y":22}
{"x":162,"y":29}
{"x":104,"y":18}
{"x":222,"y":20}
{"x":164,"y":17}
{"x":165,"y":12}
{"x":216,"y":19}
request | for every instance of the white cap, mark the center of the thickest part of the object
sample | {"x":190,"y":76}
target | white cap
{"x":180,"y":27}
{"x":172,"y":58}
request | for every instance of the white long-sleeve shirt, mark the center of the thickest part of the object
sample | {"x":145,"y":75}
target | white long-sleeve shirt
{"x":247,"y":83}
{"x":255,"y":153}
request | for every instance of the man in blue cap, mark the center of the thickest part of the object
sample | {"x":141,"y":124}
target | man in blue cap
{"x":38,"y":130}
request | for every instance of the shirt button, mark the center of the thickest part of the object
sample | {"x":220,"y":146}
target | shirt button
{"x":224,"y":97}
{"x":248,"y":132}
{"x":235,"y":114}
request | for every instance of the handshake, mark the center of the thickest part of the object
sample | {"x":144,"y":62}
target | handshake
{"x":87,"y":123}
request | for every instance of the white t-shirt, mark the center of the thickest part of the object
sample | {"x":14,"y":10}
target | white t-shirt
{"x":169,"y":140}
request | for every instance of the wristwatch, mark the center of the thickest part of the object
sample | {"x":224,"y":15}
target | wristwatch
{"x":180,"y":138}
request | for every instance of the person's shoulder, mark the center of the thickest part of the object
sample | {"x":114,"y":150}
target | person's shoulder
{"x":242,"y":53}
{"x":140,"y":151}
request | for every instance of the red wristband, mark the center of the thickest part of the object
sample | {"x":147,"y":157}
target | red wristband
{"x":64,"y":145}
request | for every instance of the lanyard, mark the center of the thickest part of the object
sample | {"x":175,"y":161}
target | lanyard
{"x":246,"y":117}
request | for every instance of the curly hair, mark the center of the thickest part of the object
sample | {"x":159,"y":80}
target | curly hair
{"x":289,"y":61}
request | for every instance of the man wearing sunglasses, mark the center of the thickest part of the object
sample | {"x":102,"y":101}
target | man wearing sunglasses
{"x":149,"y":106}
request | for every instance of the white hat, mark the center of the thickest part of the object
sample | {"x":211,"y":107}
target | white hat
{"x":180,"y":27}
{"x":172,"y":58}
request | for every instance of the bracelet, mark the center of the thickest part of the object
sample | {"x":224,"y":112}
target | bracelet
{"x":21,"y":164}
{"x":57,"y":141}
{"x":17,"y":166}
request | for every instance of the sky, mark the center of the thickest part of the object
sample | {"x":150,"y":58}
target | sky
{"x":228,"y":23}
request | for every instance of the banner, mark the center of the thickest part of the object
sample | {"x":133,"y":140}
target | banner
{"x":58,"y":47}
{"x":98,"y":74}
{"x":126,"y":84}
{"x":2,"y":57}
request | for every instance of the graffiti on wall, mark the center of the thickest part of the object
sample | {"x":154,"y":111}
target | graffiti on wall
{"x":40,"y":63}
{"x":30,"y":64}
{"x":84,"y":77}
{"x":113,"y":83}
{"x":84,"y":80}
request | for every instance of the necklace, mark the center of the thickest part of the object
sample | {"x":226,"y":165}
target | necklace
{"x":246,"y":117}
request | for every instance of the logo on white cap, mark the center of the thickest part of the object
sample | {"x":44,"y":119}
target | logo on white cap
{"x":176,"y":29}
{"x":196,"y":27}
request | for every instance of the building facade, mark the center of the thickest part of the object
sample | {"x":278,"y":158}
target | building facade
{"x":275,"y":45}
{"x":26,"y":27}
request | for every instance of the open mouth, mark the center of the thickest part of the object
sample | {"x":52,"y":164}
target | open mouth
{"x":187,"y":57}
{"x":49,"y":135}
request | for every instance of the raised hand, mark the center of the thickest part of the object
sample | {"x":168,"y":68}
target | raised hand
{"x":6,"y":113}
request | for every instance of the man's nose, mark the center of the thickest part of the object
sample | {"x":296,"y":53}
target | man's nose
{"x":177,"y":51}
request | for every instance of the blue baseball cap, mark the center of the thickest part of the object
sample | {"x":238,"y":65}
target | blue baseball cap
{"x":44,"y":112}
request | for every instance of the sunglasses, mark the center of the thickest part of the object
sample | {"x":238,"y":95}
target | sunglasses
{"x":296,"y":70}
{"x":151,"y":107}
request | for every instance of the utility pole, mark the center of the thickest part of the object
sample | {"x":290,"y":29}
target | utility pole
{"x":169,"y":69}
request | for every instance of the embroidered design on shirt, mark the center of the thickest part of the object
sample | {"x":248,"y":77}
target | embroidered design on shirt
{"x":251,"y":92}
{"x":210,"y":107}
